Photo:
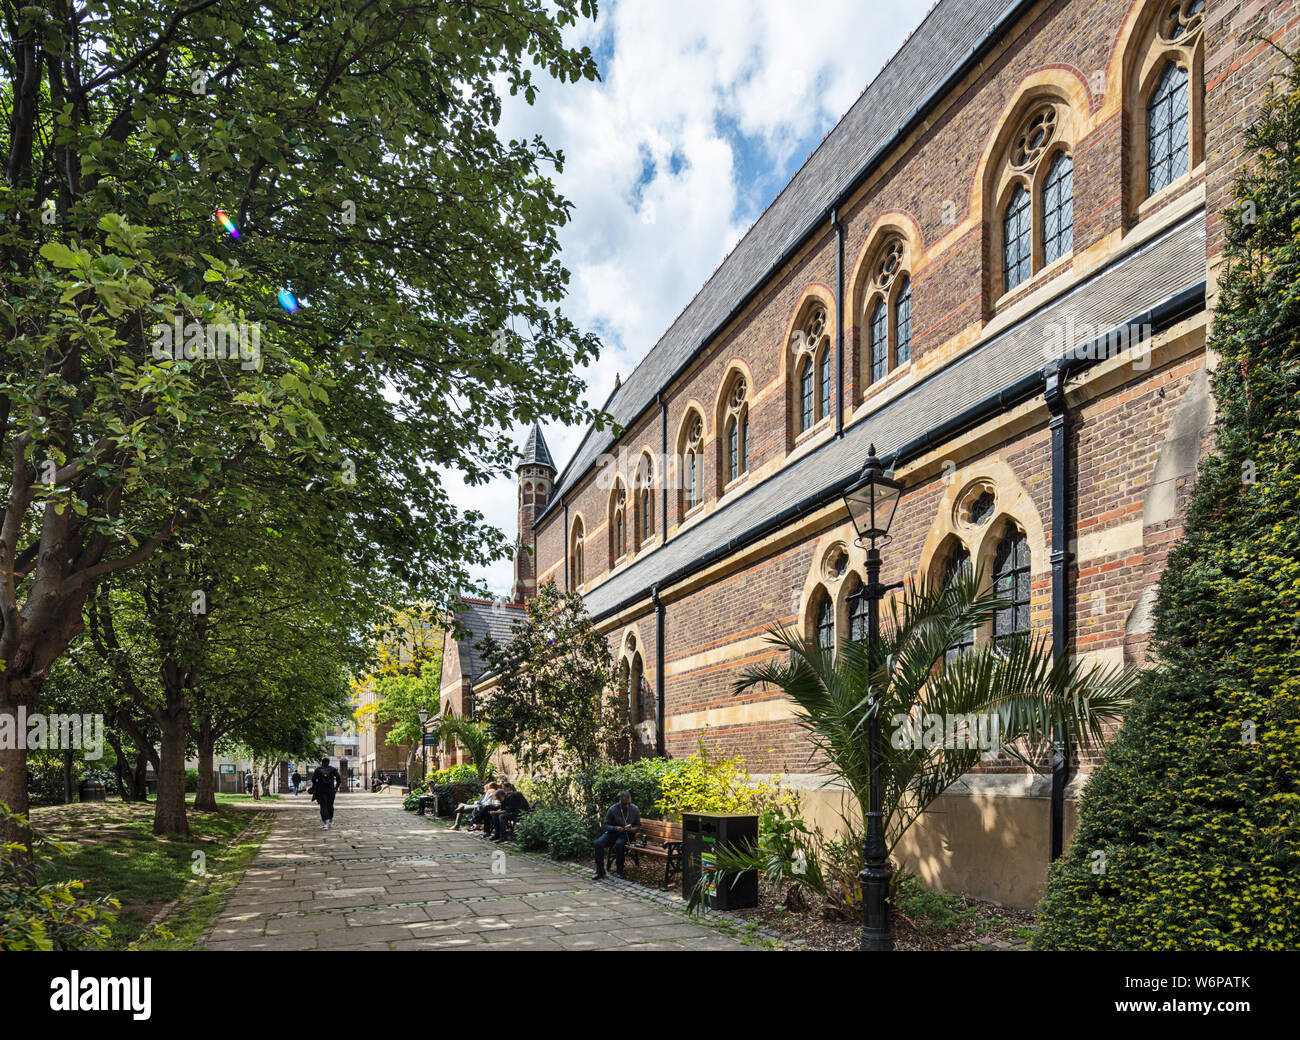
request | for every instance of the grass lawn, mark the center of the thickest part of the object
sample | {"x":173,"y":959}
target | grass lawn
{"x":114,"y":851}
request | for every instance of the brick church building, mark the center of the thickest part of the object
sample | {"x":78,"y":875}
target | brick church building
{"x":998,"y":268}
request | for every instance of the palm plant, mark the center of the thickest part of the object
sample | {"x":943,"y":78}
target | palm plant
{"x":916,"y":674}
{"x":913,"y":674}
{"x":473,"y":738}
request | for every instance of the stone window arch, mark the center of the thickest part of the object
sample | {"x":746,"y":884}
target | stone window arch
{"x":733,"y":421}
{"x":887,"y":309}
{"x":1165,"y":97}
{"x":1010,"y":572}
{"x":576,"y":553}
{"x":821,"y":616}
{"x":953,"y":557}
{"x":643,"y":504}
{"x":690,"y":455}
{"x":809,"y":352}
{"x":1033,"y":192}
{"x":617,"y":523}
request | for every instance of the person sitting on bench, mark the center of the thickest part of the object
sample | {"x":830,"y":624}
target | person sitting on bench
{"x":621,"y":824}
{"x":482,"y":816}
{"x":471,"y":809}
{"x":512,"y":805}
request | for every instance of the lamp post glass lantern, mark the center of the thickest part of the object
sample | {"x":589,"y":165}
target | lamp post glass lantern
{"x":871,"y":503}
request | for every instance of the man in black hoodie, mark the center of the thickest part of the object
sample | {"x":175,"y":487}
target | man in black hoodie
{"x":325,"y":781}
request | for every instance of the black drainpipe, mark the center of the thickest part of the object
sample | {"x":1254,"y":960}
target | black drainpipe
{"x":1054,"y":397}
{"x":663,"y":468}
{"x":567,"y":546}
{"x":659,"y":670}
{"x":839,"y":322}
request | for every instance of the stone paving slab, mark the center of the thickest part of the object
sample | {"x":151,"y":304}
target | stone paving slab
{"x":381,"y":879}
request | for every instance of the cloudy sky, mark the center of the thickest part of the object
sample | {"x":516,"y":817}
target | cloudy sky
{"x":702,"y":114}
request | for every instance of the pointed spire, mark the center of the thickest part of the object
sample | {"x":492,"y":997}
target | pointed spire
{"x":536,"y":453}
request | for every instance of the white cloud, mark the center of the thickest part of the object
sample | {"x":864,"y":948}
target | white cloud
{"x":703,"y":113}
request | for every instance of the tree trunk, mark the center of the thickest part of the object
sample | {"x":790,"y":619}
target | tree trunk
{"x":67,"y":776}
{"x":173,"y":723}
{"x":206,"y":798}
{"x":17,"y":693}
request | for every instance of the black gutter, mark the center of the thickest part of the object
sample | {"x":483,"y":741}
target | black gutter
{"x":663,"y":467}
{"x":659,"y":671}
{"x":1159,"y":317}
{"x":839,"y":323}
{"x":876,"y":159}
{"x":1062,"y":465}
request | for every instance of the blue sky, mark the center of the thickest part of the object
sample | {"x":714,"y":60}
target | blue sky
{"x":702,"y":114}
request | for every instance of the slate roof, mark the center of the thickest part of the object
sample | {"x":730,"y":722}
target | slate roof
{"x":934,"y":52}
{"x":535,"y":452}
{"x":479,"y":618}
{"x":1152,"y":274}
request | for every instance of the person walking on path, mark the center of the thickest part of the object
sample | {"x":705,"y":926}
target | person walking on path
{"x":295,"y":781}
{"x":325,"y":781}
{"x":621,"y":824}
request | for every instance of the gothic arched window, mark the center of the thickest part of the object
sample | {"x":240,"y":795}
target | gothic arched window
{"x":735,"y":421}
{"x":1017,"y":239}
{"x":857,"y":612}
{"x":1011,"y":583}
{"x":692,"y":459}
{"x":576,"y":554}
{"x":824,"y":621}
{"x":617,"y":524}
{"x":903,"y":322}
{"x":958,"y":561}
{"x":887,"y":315}
{"x":810,"y":352}
{"x":879,"y":341}
{"x":1058,"y":209}
{"x":1168,"y":141}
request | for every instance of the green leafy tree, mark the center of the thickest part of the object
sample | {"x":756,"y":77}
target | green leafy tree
{"x":550,"y":707}
{"x":1189,"y":834}
{"x":354,"y":148}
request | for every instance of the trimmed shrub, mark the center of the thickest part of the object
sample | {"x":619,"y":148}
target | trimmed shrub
{"x":1189,"y":834}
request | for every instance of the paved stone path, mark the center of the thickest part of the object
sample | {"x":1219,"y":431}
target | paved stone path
{"x":385,"y":879}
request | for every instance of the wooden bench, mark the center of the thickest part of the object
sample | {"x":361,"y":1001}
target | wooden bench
{"x":661,"y":839}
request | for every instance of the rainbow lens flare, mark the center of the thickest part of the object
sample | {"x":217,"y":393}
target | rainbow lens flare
{"x":227,"y":223}
{"x":288,"y":300}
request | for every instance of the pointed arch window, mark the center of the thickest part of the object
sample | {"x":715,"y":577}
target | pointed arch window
{"x":736,"y":425}
{"x":1168,"y":141}
{"x":887,"y":315}
{"x":824,"y":621}
{"x":692,"y":458}
{"x":903,"y":321}
{"x":576,"y":554}
{"x":1011,"y":567}
{"x":1058,"y":208}
{"x":810,"y":348}
{"x":958,"y":561}
{"x":1016,"y":241}
{"x":644,"y":491}
{"x":857,"y":602}
{"x":617,"y":525}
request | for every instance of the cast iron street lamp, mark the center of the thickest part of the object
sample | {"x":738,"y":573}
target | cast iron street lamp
{"x":424,"y":748}
{"x":872,"y":501}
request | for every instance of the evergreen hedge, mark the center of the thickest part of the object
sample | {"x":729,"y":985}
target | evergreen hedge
{"x":1189,"y":834}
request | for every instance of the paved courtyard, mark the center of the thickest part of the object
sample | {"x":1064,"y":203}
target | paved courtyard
{"x":385,"y":879}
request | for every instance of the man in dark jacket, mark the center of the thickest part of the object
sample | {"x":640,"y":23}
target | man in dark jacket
{"x":512,"y":805}
{"x":325,"y":781}
{"x":621,"y":824}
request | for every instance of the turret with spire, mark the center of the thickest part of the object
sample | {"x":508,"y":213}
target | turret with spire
{"x":535,"y":476}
